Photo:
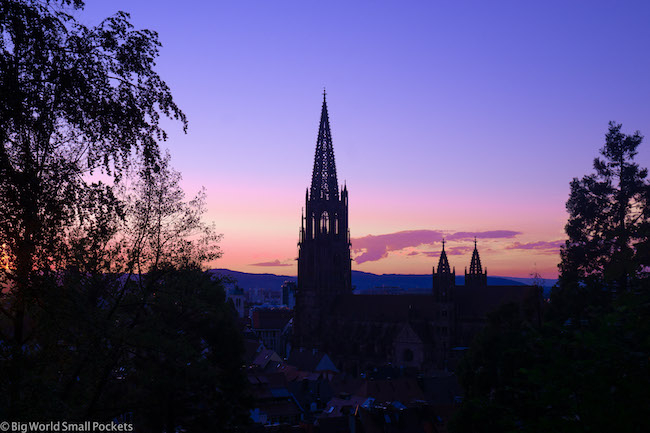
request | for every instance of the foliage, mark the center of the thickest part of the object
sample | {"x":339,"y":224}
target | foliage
{"x":585,"y":366}
{"x":105,"y":311}
{"x":609,"y":214}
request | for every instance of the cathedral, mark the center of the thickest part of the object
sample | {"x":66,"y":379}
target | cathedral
{"x":426,"y":332}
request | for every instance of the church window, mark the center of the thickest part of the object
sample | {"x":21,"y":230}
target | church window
{"x":325,"y":220}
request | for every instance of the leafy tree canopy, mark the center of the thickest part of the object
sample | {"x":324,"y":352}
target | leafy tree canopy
{"x":104,"y":309}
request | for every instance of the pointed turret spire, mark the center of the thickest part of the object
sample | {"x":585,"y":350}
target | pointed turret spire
{"x":324,"y":184}
{"x":443,"y":263}
{"x":475,"y":265}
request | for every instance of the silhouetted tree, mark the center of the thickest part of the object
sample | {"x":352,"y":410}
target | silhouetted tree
{"x":99,"y":278}
{"x":586,"y":367}
{"x":74,"y":99}
{"x":608,"y":220}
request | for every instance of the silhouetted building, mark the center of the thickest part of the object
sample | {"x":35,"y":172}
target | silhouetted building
{"x":426,"y":332}
{"x":324,"y":265}
{"x":289,"y":294}
{"x":270,"y":326}
{"x":238,"y":298}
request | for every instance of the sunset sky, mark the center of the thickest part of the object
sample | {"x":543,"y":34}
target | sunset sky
{"x":449,"y":119}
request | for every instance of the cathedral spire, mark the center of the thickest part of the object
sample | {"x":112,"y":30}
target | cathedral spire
{"x":443,"y":264}
{"x":324,"y":184}
{"x":475,"y":265}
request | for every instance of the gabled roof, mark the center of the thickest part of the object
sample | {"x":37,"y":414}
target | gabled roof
{"x":307,"y":360}
{"x":265,"y":356}
{"x":407,"y":334}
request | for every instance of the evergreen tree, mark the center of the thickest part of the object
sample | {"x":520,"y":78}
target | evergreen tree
{"x":585,"y":367}
{"x":608,"y":220}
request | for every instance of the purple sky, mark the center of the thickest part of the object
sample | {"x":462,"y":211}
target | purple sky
{"x":447,"y":117}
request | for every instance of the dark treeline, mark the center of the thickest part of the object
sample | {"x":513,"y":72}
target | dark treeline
{"x":105,"y":311}
{"x":583,"y":365}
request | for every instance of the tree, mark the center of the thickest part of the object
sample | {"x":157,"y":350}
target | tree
{"x":74,"y":99}
{"x":608,"y":222}
{"x":93,"y":273}
{"x":585,"y":366}
{"x":132,"y":325}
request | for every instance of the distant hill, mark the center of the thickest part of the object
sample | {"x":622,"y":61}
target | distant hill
{"x":255,"y":281}
{"x":363,"y":281}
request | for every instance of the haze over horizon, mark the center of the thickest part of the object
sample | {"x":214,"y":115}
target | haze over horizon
{"x":448,"y":120}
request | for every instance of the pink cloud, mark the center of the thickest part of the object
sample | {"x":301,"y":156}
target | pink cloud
{"x":546,"y":247}
{"x":492,"y":234}
{"x":451,"y":251}
{"x":372,"y":248}
{"x":275,"y":262}
{"x":459,"y":251}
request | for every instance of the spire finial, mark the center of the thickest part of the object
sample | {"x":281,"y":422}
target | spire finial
{"x":324,"y":93}
{"x":443,"y":244}
{"x":474,"y":242}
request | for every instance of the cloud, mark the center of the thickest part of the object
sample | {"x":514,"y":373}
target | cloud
{"x":545,"y":247}
{"x":492,"y":234}
{"x":451,"y":251}
{"x":459,"y":251}
{"x":372,"y":248}
{"x":275,"y":262}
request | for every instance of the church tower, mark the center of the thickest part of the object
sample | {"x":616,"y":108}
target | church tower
{"x":444,"y":286}
{"x":324,"y":266}
{"x":444,"y":281}
{"x":476,"y":277}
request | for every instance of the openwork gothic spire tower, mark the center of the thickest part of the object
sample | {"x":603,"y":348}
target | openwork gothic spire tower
{"x":324,"y":268}
{"x":324,"y":184}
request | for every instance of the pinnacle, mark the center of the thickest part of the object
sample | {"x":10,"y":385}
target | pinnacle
{"x":443,"y":263}
{"x":475,"y":265}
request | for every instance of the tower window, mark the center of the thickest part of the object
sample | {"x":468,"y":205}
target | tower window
{"x":407,"y":356}
{"x":325,"y":220}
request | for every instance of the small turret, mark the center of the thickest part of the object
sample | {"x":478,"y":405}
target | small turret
{"x":444,"y":281}
{"x":476,"y":277}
